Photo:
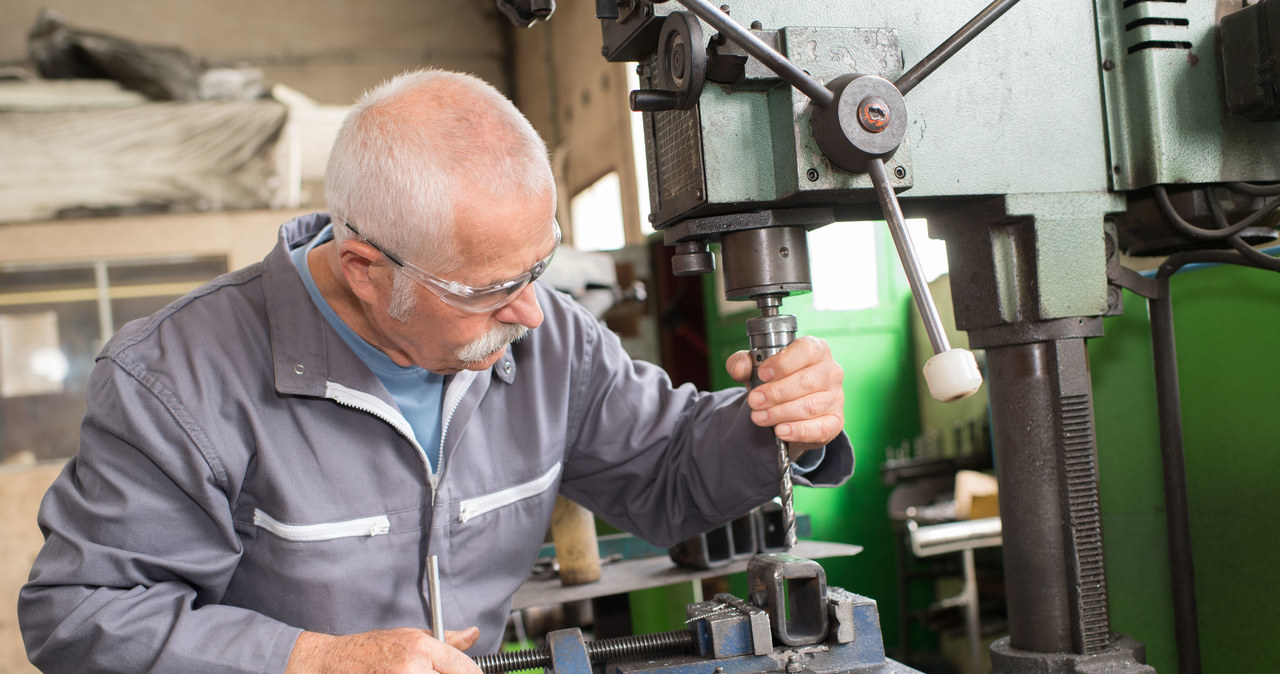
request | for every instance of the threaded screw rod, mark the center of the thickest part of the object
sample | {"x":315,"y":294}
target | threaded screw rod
{"x":658,"y":643}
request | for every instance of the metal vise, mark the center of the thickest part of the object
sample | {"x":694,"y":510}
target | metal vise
{"x":792,"y":623}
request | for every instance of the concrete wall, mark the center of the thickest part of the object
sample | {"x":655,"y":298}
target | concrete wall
{"x":330,"y":50}
{"x":578,"y":102}
{"x":20,"y":490}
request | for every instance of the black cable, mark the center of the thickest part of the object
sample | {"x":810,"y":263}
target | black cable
{"x":1184,"y":227}
{"x":1256,"y":190}
{"x":1260,"y":259}
{"x":1186,"y":622}
{"x":1172,"y":450}
{"x":1179,"y":260}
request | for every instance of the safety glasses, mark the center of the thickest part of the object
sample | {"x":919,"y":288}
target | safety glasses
{"x":460,"y":295}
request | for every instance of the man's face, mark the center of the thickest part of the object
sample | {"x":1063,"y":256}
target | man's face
{"x":498,"y":240}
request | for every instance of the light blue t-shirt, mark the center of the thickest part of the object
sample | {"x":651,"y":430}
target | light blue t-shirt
{"x":418,"y":392}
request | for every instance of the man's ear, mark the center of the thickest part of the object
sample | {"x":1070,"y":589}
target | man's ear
{"x":359,"y":264}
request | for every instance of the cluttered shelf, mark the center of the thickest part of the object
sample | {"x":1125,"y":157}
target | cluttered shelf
{"x":627,"y":575}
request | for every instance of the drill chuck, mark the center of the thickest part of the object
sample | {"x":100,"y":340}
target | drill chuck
{"x":768,"y":334}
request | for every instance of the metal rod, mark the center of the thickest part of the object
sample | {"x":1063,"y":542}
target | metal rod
{"x":972,"y":614}
{"x":819,"y":94}
{"x":953,"y":44}
{"x":907,"y":254}
{"x":433,"y":587}
{"x":1172,"y":458}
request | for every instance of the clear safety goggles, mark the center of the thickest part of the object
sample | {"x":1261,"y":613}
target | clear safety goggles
{"x":460,"y":295}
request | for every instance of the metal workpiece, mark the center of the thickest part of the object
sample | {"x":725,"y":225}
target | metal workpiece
{"x":771,"y":526}
{"x":793,"y":591}
{"x":718,"y":546}
{"x":762,"y":530}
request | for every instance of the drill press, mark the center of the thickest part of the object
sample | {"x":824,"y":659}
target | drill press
{"x":1061,"y":119}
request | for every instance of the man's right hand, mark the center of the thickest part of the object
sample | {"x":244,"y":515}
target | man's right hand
{"x":403,"y":650}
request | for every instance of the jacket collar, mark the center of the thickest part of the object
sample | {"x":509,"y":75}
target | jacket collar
{"x":306,"y":352}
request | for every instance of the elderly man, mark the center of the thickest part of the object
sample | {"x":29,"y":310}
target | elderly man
{"x":267,"y":463}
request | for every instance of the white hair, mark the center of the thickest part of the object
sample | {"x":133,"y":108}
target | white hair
{"x":410,"y":145}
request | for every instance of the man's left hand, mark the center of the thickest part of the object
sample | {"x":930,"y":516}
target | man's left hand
{"x":801,"y":395}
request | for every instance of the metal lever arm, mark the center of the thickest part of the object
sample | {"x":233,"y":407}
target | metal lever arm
{"x":952,"y":374}
{"x":953,"y":44}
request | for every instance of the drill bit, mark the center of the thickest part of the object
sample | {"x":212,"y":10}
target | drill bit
{"x":768,"y":334}
{"x":784,"y":489}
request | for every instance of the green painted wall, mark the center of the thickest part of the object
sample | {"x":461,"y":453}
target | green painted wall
{"x":1227,"y":320}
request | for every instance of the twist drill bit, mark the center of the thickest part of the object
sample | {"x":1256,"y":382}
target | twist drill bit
{"x":769,"y":333}
{"x":784,"y":490}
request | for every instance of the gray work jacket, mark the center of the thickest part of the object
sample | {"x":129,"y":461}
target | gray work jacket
{"x":242,"y":476}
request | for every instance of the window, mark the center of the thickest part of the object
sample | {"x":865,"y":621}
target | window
{"x":597,"y":215}
{"x":842,"y":257}
{"x":53,"y":321}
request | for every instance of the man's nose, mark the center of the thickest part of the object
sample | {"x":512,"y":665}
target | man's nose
{"x":523,"y":310}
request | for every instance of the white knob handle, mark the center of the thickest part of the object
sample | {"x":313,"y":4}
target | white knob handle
{"x":952,"y":375}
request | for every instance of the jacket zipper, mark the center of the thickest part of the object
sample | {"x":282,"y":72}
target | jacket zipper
{"x":326,"y":531}
{"x":366,"y":402}
{"x":452,"y":399}
{"x":480,"y":505}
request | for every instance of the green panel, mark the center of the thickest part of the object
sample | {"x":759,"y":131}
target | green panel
{"x":1166,"y":121}
{"x":874,"y":348}
{"x":1226,"y":322}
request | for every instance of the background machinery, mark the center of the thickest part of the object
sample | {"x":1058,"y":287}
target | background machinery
{"x":1041,"y":141}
